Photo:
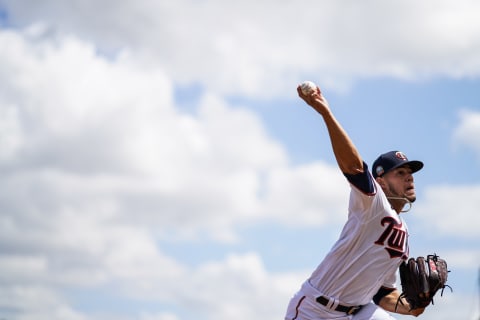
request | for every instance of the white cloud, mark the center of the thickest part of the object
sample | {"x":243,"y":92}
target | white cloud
{"x":308,"y":195}
{"x":98,"y":164}
{"x":468,"y":130}
{"x":241,"y":280}
{"x":451,"y":209}
{"x":463,"y":258}
{"x":100,"y":159}
{"x":158,"y":316}
{"x":90,"y":130}
{"x":256,"y":43}
{"x":32,"y":301}
{"x":108,"y":139}
{"x":442,"y":307}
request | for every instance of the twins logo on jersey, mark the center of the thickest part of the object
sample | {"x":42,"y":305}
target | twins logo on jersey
{"x":394,"y":238}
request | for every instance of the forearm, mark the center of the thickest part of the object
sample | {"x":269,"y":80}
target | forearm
{"x":346,"y":154}
{"x":392,"y":302}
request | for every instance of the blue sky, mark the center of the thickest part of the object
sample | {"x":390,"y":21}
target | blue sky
{"x":157,"y":163}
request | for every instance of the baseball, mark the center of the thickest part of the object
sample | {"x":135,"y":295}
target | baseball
{"x":308,"y":87}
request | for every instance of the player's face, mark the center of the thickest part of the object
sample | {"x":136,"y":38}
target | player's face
{"x":399,"y":183}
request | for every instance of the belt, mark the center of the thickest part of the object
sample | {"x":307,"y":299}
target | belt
{"x":347,"y":309}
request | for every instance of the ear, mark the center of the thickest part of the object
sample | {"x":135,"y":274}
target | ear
{"x":380,"y":181}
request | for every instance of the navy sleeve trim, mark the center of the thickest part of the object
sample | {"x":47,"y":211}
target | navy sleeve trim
{"x":363,"y":181}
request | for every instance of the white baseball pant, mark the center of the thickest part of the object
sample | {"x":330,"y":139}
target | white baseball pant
{"x":303,"y":306}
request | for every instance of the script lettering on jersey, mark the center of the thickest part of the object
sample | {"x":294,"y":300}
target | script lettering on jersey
{"x":393,"y":238}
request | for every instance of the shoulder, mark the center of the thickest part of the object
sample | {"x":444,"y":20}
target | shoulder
{"x":363,"y":181}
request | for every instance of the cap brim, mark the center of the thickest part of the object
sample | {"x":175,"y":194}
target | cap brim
{"x":415,"y":165}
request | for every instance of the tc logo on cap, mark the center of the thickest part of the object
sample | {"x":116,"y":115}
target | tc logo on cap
{"x":401,"y":155}
{"x":391,"y":160}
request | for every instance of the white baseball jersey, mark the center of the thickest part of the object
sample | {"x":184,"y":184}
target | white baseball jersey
{"x":372,"y":245}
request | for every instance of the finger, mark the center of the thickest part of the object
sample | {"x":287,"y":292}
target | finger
{"x":300,"y":93}
{"x":299,"y":90}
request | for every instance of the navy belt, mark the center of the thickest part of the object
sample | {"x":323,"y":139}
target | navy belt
{"x":346,"y":309}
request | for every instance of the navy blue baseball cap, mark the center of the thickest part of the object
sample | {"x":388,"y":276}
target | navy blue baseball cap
{"x":391,"y":160}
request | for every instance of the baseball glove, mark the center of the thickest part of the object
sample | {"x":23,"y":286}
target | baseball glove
{"x":421,"y":278}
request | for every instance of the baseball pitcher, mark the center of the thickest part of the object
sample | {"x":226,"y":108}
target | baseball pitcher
{"x":357,"y":278}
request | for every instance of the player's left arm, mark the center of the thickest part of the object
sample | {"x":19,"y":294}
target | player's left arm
{"x":390,"y":300}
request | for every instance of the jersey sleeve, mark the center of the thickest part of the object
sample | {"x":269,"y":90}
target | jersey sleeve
{"x":390,"y":281}
{"x":362,"y":181}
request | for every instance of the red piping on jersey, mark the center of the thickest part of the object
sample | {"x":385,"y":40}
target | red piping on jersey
{"x":298,"y":306}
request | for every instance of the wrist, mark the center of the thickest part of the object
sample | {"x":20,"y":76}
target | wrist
{"x":416,"y":312}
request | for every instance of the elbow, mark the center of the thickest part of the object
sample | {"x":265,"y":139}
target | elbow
{"x":352,"y":169}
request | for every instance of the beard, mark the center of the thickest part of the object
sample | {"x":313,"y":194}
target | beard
{"x":408,"y":196}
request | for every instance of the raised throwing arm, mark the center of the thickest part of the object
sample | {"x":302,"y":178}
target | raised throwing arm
{"x":346,"y":154}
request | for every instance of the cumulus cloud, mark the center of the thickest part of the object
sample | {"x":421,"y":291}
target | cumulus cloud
{"x":215,"y":290}
{"x":468,"y":130}
{"x":35,"y":301}
{"x":308,"y":195}
{"x":242,"y":278}
{"x":262,"y":42}
{"x":456,"y":205}
{"x":100,"y":165}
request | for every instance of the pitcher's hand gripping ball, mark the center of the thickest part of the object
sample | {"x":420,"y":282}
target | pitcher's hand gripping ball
{"x":421,"y":279}
{"x":308,"y":87}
